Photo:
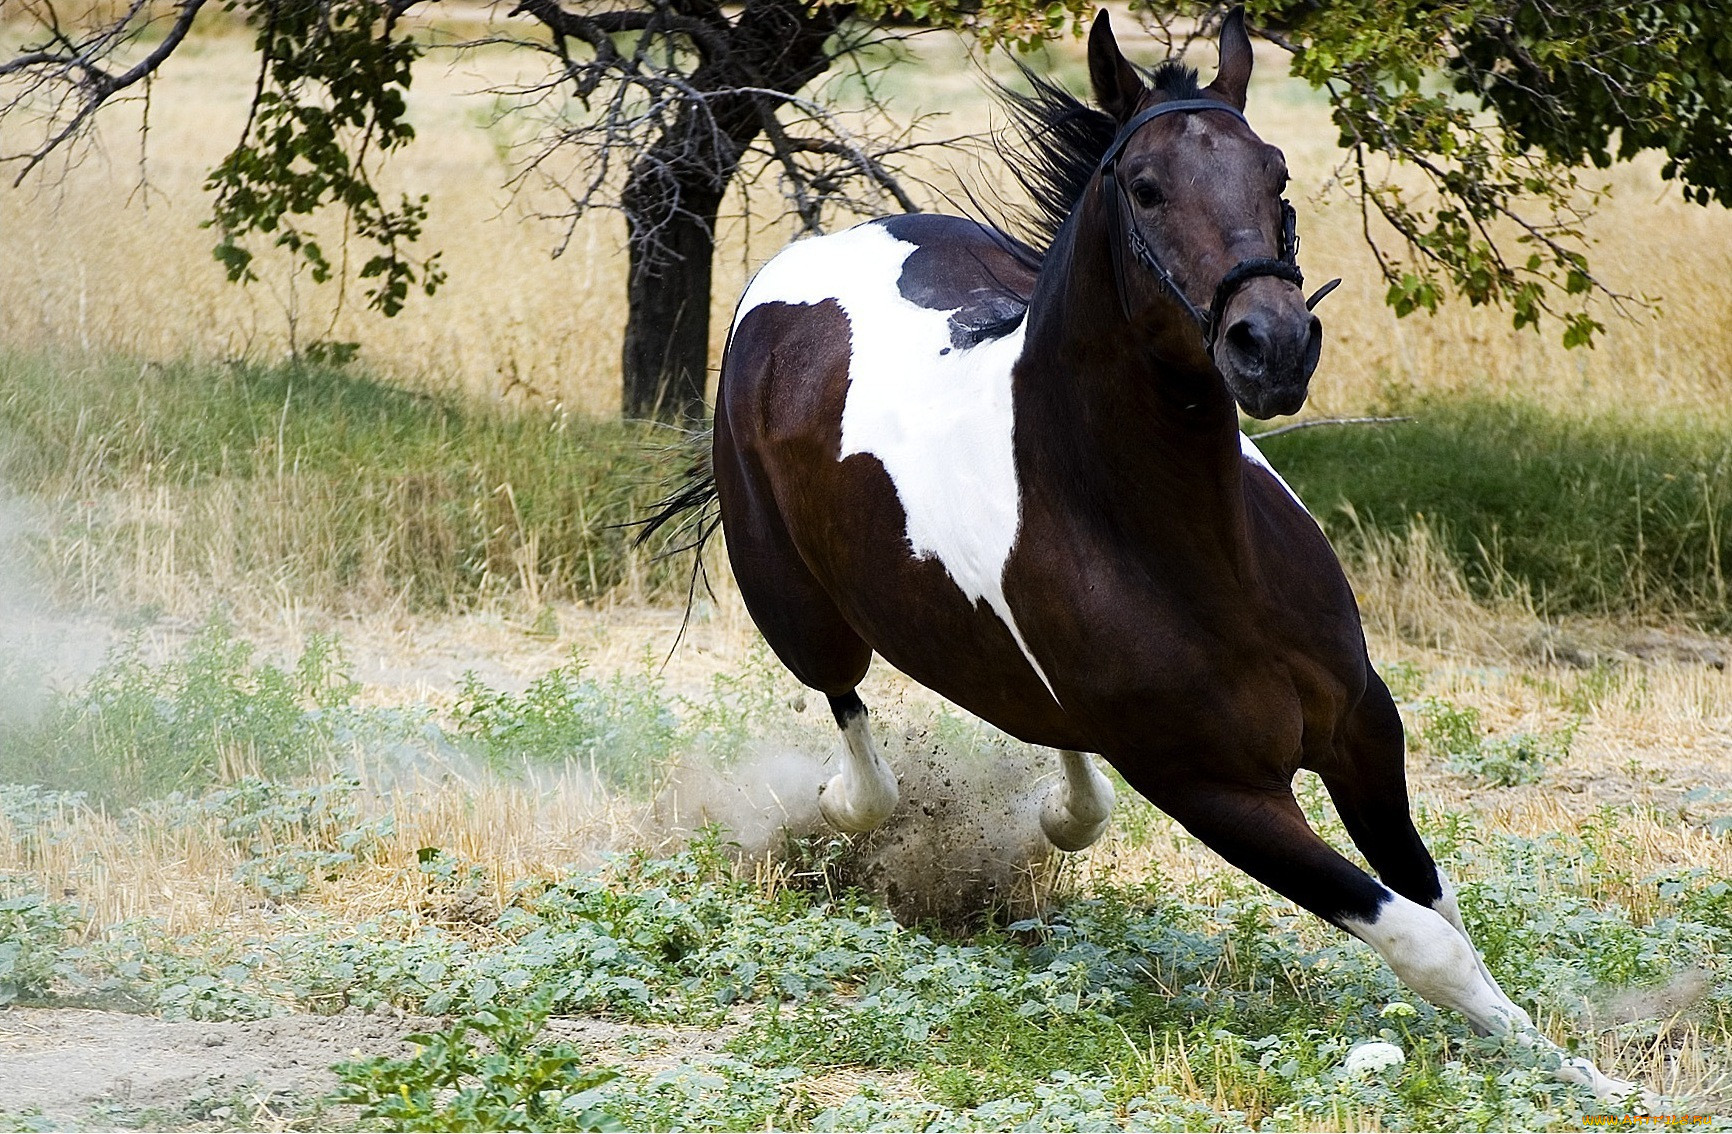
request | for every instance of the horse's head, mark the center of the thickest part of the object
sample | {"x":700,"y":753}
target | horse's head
{"x":1197,"y":222}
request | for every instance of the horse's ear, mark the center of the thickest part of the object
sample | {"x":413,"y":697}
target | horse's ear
{"x":1118,"y":88}
{"x":1234,"y":74}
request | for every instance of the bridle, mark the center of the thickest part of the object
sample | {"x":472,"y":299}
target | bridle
{"x":1125,"y":233}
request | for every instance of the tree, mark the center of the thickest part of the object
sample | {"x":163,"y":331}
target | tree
{"x":668,"y":104}
{"x":665,"y":104}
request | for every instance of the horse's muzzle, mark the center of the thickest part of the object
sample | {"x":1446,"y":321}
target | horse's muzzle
{"x":1267,"y":358}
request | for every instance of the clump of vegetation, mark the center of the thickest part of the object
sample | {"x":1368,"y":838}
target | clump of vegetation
{"x":484,"y":1072}
{"x":322,"y":482}
{"x":1647,"y":527}
{"x":212,"y":712}
{"x":1454,"y":732}
{"x":621,"y":728}
{"x":33,"y":932}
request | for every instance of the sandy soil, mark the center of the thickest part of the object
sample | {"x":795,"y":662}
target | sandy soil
{"x":78,"y":1066}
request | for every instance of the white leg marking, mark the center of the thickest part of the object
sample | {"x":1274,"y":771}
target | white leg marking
{"x":1076,"y":811}
{"x":864,"y":793}
{"x":937,"y":417}
{"x":1433,"y":957}
{"x":1451,"y":911}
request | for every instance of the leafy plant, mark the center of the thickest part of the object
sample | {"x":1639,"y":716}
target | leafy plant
{"x":620,"y":727}
{"x":484,"y":1072}
{"x":33,"y":932}
{"x":1454,"y":732}
{"x":137,"y":731}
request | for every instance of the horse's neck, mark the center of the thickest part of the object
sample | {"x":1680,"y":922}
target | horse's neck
{"x":1149,"y":446}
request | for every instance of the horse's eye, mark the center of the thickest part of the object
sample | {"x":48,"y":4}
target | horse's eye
{"x":1147,"y":195}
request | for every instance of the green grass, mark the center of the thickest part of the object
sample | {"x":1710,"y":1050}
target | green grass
{"x":332,"y":486}
{"x":320,"y":482}
{"x":1606,"y":515}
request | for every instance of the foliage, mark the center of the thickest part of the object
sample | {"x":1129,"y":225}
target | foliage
{"x":290,"y":836}
{"x":620,"y":728}
{"x":1454,"y":732}
{"x":33,"y":931}
{"x":484,"y":1072}
{"x":331,"y":91}
{"x":137,"y":731}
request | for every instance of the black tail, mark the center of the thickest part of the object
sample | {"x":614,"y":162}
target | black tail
{"x":686,"y":517}
{"x":690,"y":508}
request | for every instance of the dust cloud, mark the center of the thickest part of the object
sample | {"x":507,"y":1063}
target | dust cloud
{"x":964,"y":843}
{"x":42,"y":649}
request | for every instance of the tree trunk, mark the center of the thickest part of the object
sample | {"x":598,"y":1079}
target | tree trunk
{"x":676,"y":188}
{"x":667,"y":327}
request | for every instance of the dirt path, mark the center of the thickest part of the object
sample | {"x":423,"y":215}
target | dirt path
{"x":78,"y":1066}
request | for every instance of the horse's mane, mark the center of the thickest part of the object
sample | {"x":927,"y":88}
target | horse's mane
{"x":1055,"y":142}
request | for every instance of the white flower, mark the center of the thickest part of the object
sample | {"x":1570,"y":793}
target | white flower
{"x":1370,"y":1058}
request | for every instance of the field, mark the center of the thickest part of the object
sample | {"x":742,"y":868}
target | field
{"x":334,"y":710}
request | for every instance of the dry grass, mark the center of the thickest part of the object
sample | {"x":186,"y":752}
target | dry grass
{"x":104,"y":260}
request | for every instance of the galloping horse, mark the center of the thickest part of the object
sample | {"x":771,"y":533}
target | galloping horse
{"x":1017,"y":474}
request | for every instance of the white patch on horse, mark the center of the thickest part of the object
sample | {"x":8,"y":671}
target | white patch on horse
{"x":938,"y":418}
{"x":1256,"y":457}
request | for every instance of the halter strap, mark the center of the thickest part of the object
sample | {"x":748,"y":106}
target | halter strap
{"x":1126,"y":233}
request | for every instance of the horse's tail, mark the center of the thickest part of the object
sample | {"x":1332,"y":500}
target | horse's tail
{"x":689,"y":511}
{"x":686,"y":518}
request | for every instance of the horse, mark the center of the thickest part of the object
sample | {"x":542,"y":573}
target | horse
{"x":1014,"y":470}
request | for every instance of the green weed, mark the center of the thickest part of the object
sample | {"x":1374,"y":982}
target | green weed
{"x":1454,"y":733}
{"x":139,"y":731}
{"x":621,"y":728}
{"x":484,"y":1072}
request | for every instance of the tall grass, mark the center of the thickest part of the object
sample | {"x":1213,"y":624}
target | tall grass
{"x":171,"y":484}
{"x":1609,"y":513}
{"x":176,"y":485}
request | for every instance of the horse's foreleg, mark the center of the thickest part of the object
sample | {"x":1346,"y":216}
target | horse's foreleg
{"x":864,"y":793}
{"x":1369,"y":789}
{"x":1075,"y":812}
{"x":1263,"y":832}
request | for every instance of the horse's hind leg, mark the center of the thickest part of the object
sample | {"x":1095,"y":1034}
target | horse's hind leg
{"x":864,"y":793}
{"x":1076,"y":810}
{"x":1263,"y":832}
{"x":804,"y":628}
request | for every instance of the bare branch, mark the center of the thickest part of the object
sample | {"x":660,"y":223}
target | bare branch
{"x":75,"y":74}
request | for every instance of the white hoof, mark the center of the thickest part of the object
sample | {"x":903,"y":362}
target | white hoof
{"x":1073,"y":819}
{"x":856,"y":817}
{"x":1575,"y":1069}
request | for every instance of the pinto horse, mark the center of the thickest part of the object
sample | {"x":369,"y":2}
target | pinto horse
{"x":1017,"y":475}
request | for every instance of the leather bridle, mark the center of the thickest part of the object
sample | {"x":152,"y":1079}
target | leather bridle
{"x":1126,"y":235}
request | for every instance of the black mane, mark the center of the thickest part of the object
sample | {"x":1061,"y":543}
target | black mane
{"x":1058,"y":144}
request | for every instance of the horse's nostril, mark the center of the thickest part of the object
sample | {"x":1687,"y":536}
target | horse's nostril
{"x":1249,"y":339}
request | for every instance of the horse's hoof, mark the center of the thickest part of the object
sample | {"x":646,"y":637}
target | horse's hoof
{"x":1063,"y":830}
{"x":1575,"y":1069}
{"x":1060,"y":820}
{"x":834,"y":806}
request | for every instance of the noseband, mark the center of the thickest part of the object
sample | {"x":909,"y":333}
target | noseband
{"x":1126,"y":234}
